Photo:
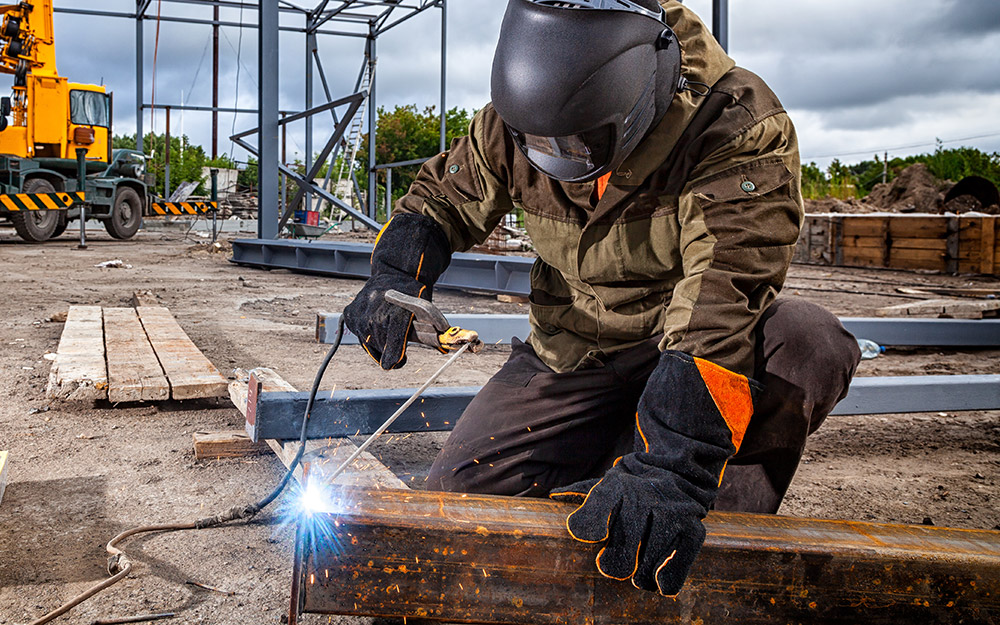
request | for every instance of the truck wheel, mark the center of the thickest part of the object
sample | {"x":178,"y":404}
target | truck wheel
{"x":60,"y":225}
{"x":126,"y":216}
{"x":36,"y":226}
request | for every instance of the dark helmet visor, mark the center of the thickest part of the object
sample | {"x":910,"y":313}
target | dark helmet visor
{"x":573,"y":158}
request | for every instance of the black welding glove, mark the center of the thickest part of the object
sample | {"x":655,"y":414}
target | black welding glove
{"x":410,"y":254}
{"x":648,"y":507}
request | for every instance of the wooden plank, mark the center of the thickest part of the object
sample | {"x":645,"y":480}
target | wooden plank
{"x":79,"y":371}
{"x":3,"y":473}
{"x":134,"y":373}
{"x":321,"y":455}
{"x":936,"y":307}
{"x":940,"y":245}
{"x":228,"y":444}
{"x":190,"y":374}
{"x":987,"y":246}
{"x":144,"y":298}
{"x":481,"y":559}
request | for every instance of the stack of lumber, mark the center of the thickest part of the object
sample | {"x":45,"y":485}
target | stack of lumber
{"x":944,"y":243}
{"x":129,"y":354}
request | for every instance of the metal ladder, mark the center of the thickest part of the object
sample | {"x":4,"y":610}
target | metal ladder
{"x":344,"y":189}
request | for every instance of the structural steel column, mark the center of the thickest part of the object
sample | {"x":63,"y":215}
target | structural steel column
{"x":444,"y":76}
{"x":215,"y":82}
{"x":267,"y":120}
{"x":310,"y":46}
{"x":372,"y":121}
{"x":720,"y":22}
{"x":138,"y":82}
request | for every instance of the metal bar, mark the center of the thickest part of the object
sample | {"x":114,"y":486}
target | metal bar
{"x":303,"y":193}
{"x":499,"y":328}
{"x":215,"y":83}
{"x":416,"y":11}
{"x":166,"y":159}
{"x":414,"y":161}
{"x":372,"y":123}
{"x":323,"y":193}
{"x":267,"y":120}
{"x":492,"y":329}
{"x":444,"y":75}
{"x":720,"y":22}
{"x":139,"y":81}
{"x":347,"y":413}
{"x":485,"y":559}
{"x":96,"y":13}
{"x":330,"y":148}
{"x":195,"y":107}
{"x":279,"y":415}
{"x":481,"y":272}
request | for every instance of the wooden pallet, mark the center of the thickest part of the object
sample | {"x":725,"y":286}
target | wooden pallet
{"x":943,"y":243}
{"x":127,"y":355}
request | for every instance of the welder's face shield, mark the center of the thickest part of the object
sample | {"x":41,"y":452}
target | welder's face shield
{"x":572,"y":158}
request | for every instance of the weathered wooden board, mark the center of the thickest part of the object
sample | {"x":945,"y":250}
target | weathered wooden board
{"x":321,"y":456}
{"x":134,"y":372}
{"x":190,"y":373}
{"x":957,"y":308}
{"x":479,"y":559}
{"x":3,"y":473}
{"x":228,"y":444}
{"x":79,"y":371}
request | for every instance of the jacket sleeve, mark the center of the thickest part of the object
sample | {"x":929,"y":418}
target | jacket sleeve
{"x":740,"y":215}
{"x":460,"y":189}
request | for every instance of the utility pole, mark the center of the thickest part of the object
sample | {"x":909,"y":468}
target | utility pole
{"x":885,"y":167}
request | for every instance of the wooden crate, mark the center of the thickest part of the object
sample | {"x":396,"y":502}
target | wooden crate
{"x":944,"y":243}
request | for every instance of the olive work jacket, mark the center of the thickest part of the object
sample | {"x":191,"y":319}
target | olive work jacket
{"x":691,"y":239}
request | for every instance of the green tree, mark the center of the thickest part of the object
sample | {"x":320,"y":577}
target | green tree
{"x":404,"y":134}
{"x":186,"y":160}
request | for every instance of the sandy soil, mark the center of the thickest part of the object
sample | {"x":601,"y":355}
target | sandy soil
{"x":81,"y":473}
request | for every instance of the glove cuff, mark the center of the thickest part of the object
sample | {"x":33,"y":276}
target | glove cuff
{"x":414,"y":245}
{"x":697,"y":399}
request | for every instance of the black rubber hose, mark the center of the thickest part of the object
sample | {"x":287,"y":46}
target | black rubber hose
{"x":119,"y":565}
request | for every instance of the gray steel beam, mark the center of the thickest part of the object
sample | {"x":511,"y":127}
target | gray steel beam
{"x":372,"y":123}
{"x":139,"y":81}
{"x":720,"y":22}
{"x":346,"y":413}
{"x":888,"y":332}
{"x":444,"y":75}
{"x":267,"y":120}
{"x":479,"y":272}
{"x":279,"y":415}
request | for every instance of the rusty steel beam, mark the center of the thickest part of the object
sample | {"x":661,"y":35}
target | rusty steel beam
{"x":480,"y":559}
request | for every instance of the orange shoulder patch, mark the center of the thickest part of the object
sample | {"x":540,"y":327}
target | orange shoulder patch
{"x":731,"y":394}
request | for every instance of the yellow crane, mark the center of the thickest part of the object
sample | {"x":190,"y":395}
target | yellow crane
{"x":43,"y":124}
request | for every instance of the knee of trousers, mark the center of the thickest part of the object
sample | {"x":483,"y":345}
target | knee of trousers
{"x":806,"y":347}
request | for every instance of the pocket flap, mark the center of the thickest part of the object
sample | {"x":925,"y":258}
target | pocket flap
{"x":744,"y":181}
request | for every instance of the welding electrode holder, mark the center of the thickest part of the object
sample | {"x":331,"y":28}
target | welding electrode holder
{"x":431,"y":328}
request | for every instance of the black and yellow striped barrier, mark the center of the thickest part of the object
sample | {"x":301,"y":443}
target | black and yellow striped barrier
{"x":183,"y":208}
{"x":17,"y":202}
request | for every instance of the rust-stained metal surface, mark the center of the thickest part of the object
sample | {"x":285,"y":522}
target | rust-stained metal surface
{"x":470,"y":558}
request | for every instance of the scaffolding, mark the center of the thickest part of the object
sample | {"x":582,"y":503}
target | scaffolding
{"x":367,"y":19}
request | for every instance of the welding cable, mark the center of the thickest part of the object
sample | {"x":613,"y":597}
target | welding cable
{"x":119,"y":565}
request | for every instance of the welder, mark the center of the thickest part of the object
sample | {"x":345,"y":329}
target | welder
{"x":662,"y":376}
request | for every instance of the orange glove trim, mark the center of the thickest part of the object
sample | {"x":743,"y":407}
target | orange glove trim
{"x":379,"y":236}
{"x":731,"y":394}
{"x":657,"y":574}
{"x":619,"y":579}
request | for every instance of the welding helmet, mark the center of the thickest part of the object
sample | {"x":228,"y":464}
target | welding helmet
{"x":579,"y":84}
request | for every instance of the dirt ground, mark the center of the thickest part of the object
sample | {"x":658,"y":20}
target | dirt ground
{"x":81,"y":473}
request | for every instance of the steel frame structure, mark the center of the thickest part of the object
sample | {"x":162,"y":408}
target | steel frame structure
{"x":367,"y":19}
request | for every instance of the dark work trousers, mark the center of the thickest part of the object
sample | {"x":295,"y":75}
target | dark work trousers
{"x":530,"y":430}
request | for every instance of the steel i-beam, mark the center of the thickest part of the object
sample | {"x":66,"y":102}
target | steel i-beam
{"x":479,"y":559}
{"x":345,"y":413}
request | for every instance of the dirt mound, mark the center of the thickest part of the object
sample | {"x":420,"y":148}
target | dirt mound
{"x":915,"y":190}
{"x":833,"y":205}
{"x":219,"y":247}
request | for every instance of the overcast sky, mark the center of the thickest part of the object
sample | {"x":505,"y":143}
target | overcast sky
{"x":857,"y":77}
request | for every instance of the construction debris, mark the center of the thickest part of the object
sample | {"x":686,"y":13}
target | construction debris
{"x":3,"y":473}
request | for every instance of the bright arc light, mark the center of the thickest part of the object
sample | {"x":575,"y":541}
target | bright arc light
{"x":314,"y":499}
